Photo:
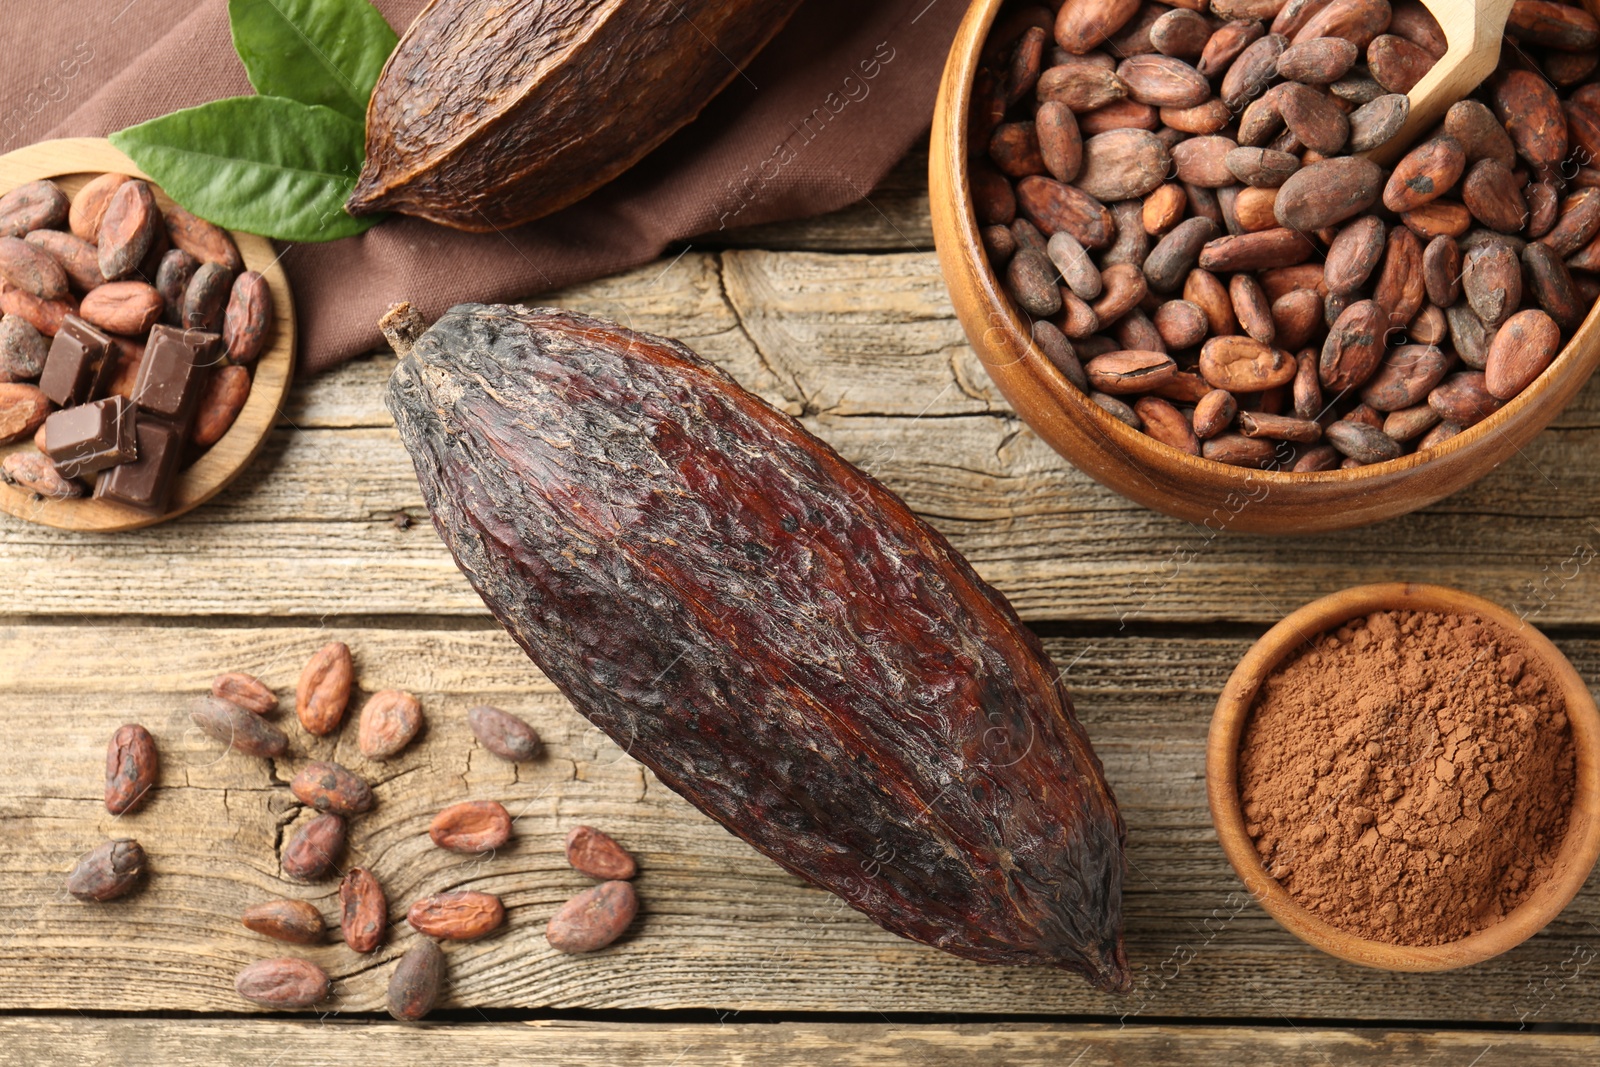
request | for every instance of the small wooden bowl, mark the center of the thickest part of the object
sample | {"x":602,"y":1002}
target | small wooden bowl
{"x":1160,"y":477}
{"x":72,"y":163}
{"x":1578,"y":850}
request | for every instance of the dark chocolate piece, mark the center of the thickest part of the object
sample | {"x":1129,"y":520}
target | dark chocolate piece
{"x":91,"y":437}
{"x":79,"y":364}
{"x":172,"y":378}
{"x":146,"y":482}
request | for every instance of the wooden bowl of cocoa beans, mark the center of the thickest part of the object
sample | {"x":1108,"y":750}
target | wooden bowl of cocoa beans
{"x":1162,"y":235}
{"x":209,"y":437}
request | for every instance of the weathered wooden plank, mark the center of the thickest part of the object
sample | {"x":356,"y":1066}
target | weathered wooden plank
{"x":339,"y":1043}
{"x":721,"y":926}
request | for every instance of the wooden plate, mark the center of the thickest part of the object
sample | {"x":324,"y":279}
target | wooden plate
{"x":72,"y":163}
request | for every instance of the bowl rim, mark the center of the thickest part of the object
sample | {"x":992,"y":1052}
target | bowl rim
{"x":956,"y":101}
{"x":1579,"y":848}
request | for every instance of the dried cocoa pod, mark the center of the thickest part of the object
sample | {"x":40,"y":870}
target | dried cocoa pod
{"x":363,"y":911}
{"x":608,"y":86}
{"x":1354,"y":346}
{"x":1523,"y":347}
{"x":226,"y":392}
{"x":88,"y":208}
{"x":283,"y":984}
{"x":1406,"y":377}
{"x":1054,"y":207}
{"x":1166,"y":424}
{"x":33,"y":472}
{"x":1328,"y":192}
{"x":23,"y":409}
{"x":323,"y":691}
{"x":389,"y":720}
{"x":108,"y":871}
{"x":248,"y":320}
{"x":132,"y":765}
{"x":227,"y":722}
{"x":23,"y":350}
{"x":1244,"y":365}
{"x":595,"y":854}
{"x":1463,"y":399}
{"x":504,"y":734}
{"x":417,"y":980}
{"x":524,"y":386}
{"x":127,"y":229}
{"x":78,"y":258}
{"x":593,"y":919}
{"x":245,"y":690}
{"x":1362,"y":443}
{"x":31,"y":269}
{"x":127,"y":308}
{"x":206,"y":298}
{"x":471,"y":826}
{"x":296,"y":921}
{"x":464,"y":915}
{"x":313,"y":850}
{"x":326,"y":786}
{"x":35,"y":205}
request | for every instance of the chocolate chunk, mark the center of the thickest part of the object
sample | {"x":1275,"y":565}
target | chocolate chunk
{"x":91,"y":437}
{"x":173,"y":376}
{"x":146,"y":482}
{"x":79,"y":364}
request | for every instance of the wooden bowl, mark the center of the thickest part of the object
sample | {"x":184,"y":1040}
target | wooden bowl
{"x":1160,"y":477}
{"x":1578,"y":850}
{"x":72,"y":163}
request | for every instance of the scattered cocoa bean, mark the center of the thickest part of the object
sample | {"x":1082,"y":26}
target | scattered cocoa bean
{"x":296,"y":921}
{"x":132,"y":765}
{"x":504,"y":734}
{"x":324,"y":689}
{"x":108,"y":871}
{"x":597,"y":855}
{"x":471,"y":826}
{"x":231,"y":724}
{"x":314,"y":849}
{"x":326,"y":786}
{"x":202,"y":240}
{"x":464,"y":915}
{"x":390,"y":719}
{"x":594,"y":918}
{"x":246,"y":691}
{"x":283,"y":984}
{"x":417,"y":980}
{"x":363,"y":911}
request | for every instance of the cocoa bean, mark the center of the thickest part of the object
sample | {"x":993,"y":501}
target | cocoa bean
{"x":1254,"y":209}
{"x":1354,"y":254}
{"x":1494,"y":196}
{"x":1438,"y":435}
{"x":1116,"y":409}
{"x":1262,"y":120}
{"x":1362,"y":443}
{"x":132,"y":765}
{"x":206,"y":298}
{"x":1053,"y":207}
{"x":993,"y":199}
{"x":1202,"y":289}
{"x":127,"y":229}
{"x":46,"y":316}
{"x":1125,"y":287}
{"x":1357,"y":21}
{"x":1491,"y":280}
{"x":1174,"y":256}
{"x":107,"y":871}
{"x":363,"y":910}
{"x":1464,"y":399}
{"x":1166,"y":424}
{"x":1031,"y":282}
{"x":314,"y":849}
{"x":1135,"y":332}
{"x":35,"y":205}
{"x":1123,"y":164}
{"x":1379,"y":119}
{"x":245,"y":690}
{"x":597,"y":855}
{"x":1026,"y":62}
{"x":1279,"y":427}
{"x":326,"y":786}
{"x":127,"y":308}
{"x":31,"y":269}
{"x":1132,"y":244}
{"x":323,"y":691}
{"x":1479,"y":133}
{"x":1082,"y":25}
{"x":1396,"y":63}
{"x":173,"y":276}
{"x":1522,"y":348}
{"x":594,"y":918}
{"x":1312,"y":117}
{"x":1279,"y":247}
{"x":1076,"y":268}
{"x":390,"y":719}
{"x":1181,"y":33}
{"x":34,"y":473}
{"x":1425,"y":173}
{"x":1078,"y":320}
{"x":1577,"y":224}
{"x":1248,"y":75}
{"x":1237,"y":450}
{"x":23,"y":409}
{"x":1354,"y":346}
{"x":1214,"y":413}
{"x":471,"y":826}
{"x":1162,"y":81}
{"x":415,"y":985}
{"x":1400,"y":287}
{"x":1437,"y":218}
{"x":1184,"y":387}
{"x":1583,"y":130}
{"x":1180,"y":324}
{"x":463,"y":915}
{"x":295,"y":921}
{"x":1429,"y":326}
{"x":227,"y":722}
{"x":1226,"y":44}
{"x":1441,"y":270}
{"x":504,"y":734}
{"x":204,"y":241}
{"x":1406,"y":377}
{"x":1469,"y":335}
{"x":1319,"y":61}
{"x":1203,"y":161}
{"x":1413,"y":21}
{"x":1059,"y":351}
{"x":1261,"y":168}
{"x":1208,"y":117}
{"x":1551,"y":285}
{"x":283,"y":984}
{"x":1554,"y":25}
{"x":1328,"y":192}
{"x":1014,"y":148}
{"x":1318,"y":458}
{"x":1244,"y":365}
{"x":23,"y":350}
{"x":1307,"y":390}
{"x":88,"y":208}
{"x":1527,"y":106}
{"x":248,"y":319}
{"x":78,"y":258}
{"x":1251,"y":308}
{"x":1060,"y":143}
{"x":998,"y":243}
{"x":224,"y":397}
{"x":1408,"y":424}
{"x":1080,"y":86}
{"x":1120,"y":373}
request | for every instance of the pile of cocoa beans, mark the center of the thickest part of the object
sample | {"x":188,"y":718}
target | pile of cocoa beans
{"x":238,"y":712}
{"x":1174,"y":195}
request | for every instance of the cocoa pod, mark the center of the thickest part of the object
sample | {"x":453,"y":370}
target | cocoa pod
{"x":1354,"y":346}
{"x":248,"y":319}
{"x":1319,"y":61}
{"x":46,"y":316}
{"x":1374,"y":122}
{"x":31,"y":269}
{"x":1530,"y":111}
{"x":1463,"y":399}
{"x":1396,"y":63}
{"x":88,"y":208}
{"x":1214,"y":413}
{"x":78,"y":258}
{"x":1406,"y":377}
{"x":464,"y":915}
{"x":543,"y":378}
{"x":593,"y":919}
{"x":389,"y":720}
{"x":504,"y":734}
{"x":23,"y":409}
{"x":323,"y":691}
{"x":471,"y":826}
{"x":1237,"y":450}
{"x":1054,"y":207}
{"x":127,"y":229}
{"x":35,"y":205}
{"x":314,"y":849}
{"x":1166,"y":424}
{"x":173,"y":275}
{"x":1082,"y":25}
{"x":245,"y":690}
{"x":132,"y":765}
{"x":363,"y":911}
{"x":326,"y":786}
{"x":1424,"y":173}
{"x":296,"y":921}
{"x":1479,"y":133}
{"x":417,"y":980}
{"x":205,"y":300}
{"x":1354,"y":254}
{"x":1060,"y":141}
{"x":1244,"y":365}
{"x":1522,"y":348}
{"x":1328,"y":192}
{"x":227,"y":722}
{"x":34,"y":473}
{"x":108,"y":871}
{"x":1312,"y":117}
{"x":595,"y":854}
{"x":1264,"y":250}
{"x":1279,"y":427}
{"x":437,"y":150}
{"x":1362,"y":443}
{"x":23,"y":350}
{"x":127,"y":308}
{"x":1120,"y":373}
{"x":1441,"y":270}
{"x":283,"y":984}
{"x":1122,"y":164}
{"x":1491,"y":280}
{"x":224,"y":397}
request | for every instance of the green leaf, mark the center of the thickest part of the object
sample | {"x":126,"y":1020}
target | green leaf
{"x":326,"y":52}
{"x":261,"y":164}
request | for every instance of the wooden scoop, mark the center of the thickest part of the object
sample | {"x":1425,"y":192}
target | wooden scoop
{"x":1472,"y":29}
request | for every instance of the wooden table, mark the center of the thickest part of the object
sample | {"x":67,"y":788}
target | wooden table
{"x":844,"y":322}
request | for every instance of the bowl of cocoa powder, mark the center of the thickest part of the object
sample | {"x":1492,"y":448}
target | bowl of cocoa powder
{"x":1407,"y":777}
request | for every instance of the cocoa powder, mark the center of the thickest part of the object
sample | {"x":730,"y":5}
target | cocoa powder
{"x":1407,"y":778}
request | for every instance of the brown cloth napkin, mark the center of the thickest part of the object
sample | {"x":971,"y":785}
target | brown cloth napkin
{"x":809,"y":126}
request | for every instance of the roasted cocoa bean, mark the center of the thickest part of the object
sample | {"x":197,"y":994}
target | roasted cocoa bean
{"x":245,"y":690}
{"x":127,"y":308}
{"x":1214,"y":413}
{"x":593,"y":919}
{"x":1120,"y":373}
{"x":504,"y":734}
{"x":1123,"y":164}
{"x":363,"y":910}
{"x":464,"y":915}
{"x":471,"y":826}
{"x":132,"y":766}
{"x":1237,"y":450}
{"x":1060,"y":141}
{"x":1479,"y":133}
{"x":389,"y":720}
{"x":108,"y":871}
{"x":1374,"y":122}
{"x":1175,"y":255}
{"x":1494,"y":196}
{"x":34,"y":473}
{"x":1362,"y":443}
{"x":1162,"y":81}
{"x":1408,"y":424}
{"x":595,"y":854}
{"x":127,"y":229}
{"x":1441,"y":270}
{"x":1491,"y":280}
{"x":1328,"y":192}
{"x":1527,"y":106}
{"x":35,"y":205}
{"x":326,"y":786}
{"x":323,"y":691}
{"x":1080,"y":87}
{"x":78,"y":258}
{"x":226,"y":392}
{"x":1354,"y":346}
{"x":1424,"y":174}
{"x":1550,"y":284}
{"x":1401,"y":286}
{"x":1125,"y":287}
{"x":1522,"y":348}
{"x":1244,"y":365}
{"x":1180,"y":324}
{"x":1463,"y":399}
{"x":1053,"y":207}
{"x":1279,"y":247}
{"x":417,"y":980}
{"x":296,"y":921}
{"x":31,"y":269}
{"x":1313,"y":118}
{"x":1354,"y":254}
{"x":1406,"y":377}
{"x":88,"y":208}
{"x":314,"y":849}
{"x":283,"y":984}
{"x":1251,"y":308}
{"x":231,"y":724}
{"x":1279,"y":427}
{"x":206,"y":299}
{"x":1031,"y":282}
{"x":1396,"y":63}
{"x":173,"y":276}
{"x":1203,"y":161}
{"x":1166,"y":424}
{"x":1320,"y":61}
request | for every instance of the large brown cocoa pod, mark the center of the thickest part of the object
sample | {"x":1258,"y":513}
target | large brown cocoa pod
{"x":492,"y":113}
{"x":691,"y":568}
